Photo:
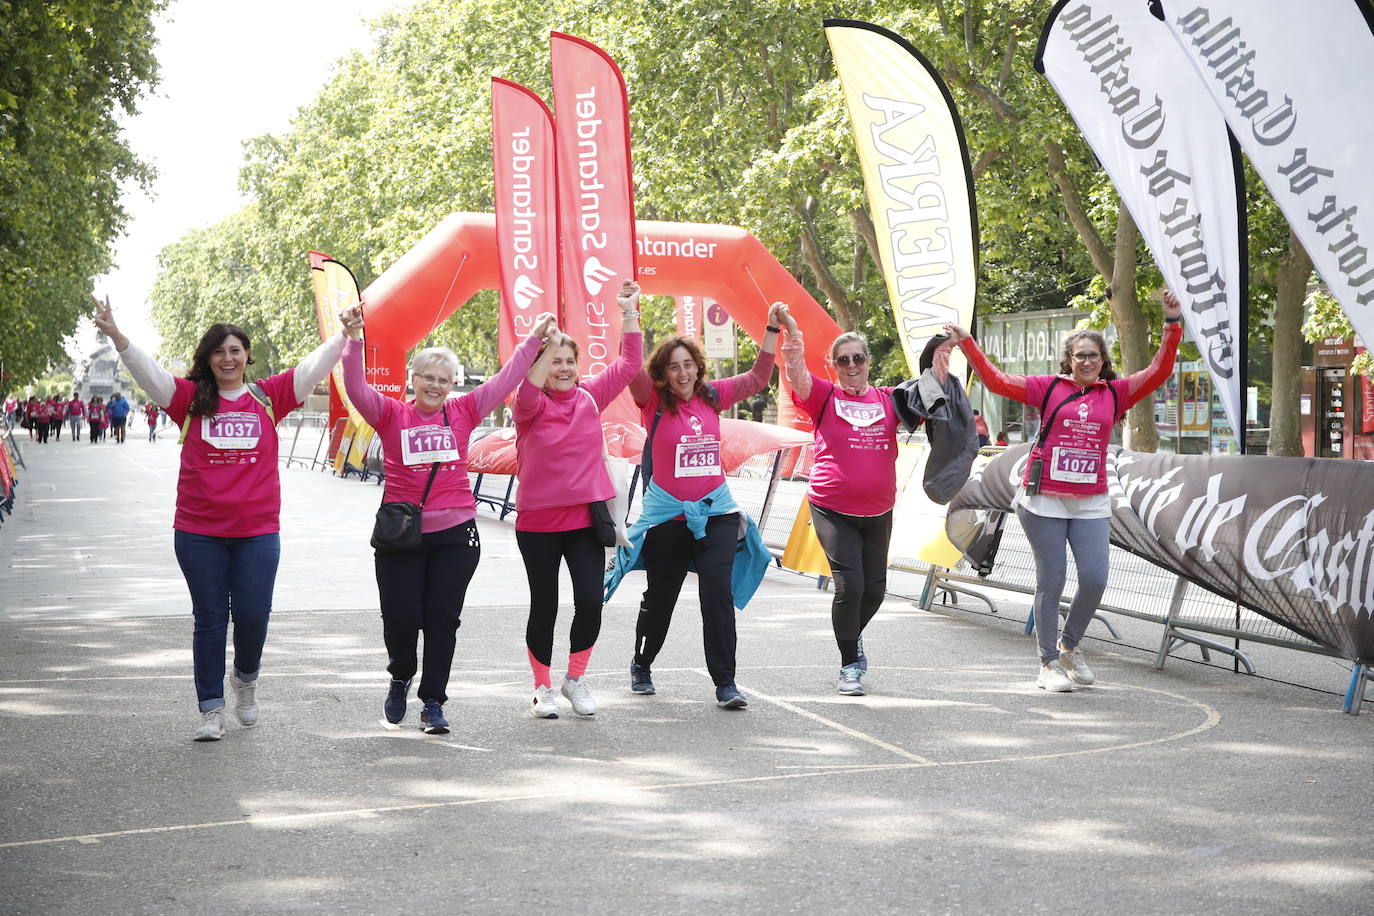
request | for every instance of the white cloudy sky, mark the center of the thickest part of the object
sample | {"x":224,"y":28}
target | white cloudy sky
{"x":230,"y":70}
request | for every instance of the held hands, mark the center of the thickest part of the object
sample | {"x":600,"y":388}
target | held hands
{"x":546,"y":326}
{"x":1173,"y":310}
{"x":956,"y":334}
{"x":104,"y":320}
{"x":779,"y":316}
{"x":351,"y":320}
{"x":628,"y":298}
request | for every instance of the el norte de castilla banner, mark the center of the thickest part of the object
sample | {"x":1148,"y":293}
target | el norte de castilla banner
{"x":917,"y":176}
{"x":1294,"y":81}
{"x":1292,"y":539}
{"x":1166,"y":147}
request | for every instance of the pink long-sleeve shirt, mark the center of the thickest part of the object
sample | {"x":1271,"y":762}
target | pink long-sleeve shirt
{"x":412,"y":441}
{"x":559,"y":444}
{"x":686,"y":446}
{"x":1075,"y":452}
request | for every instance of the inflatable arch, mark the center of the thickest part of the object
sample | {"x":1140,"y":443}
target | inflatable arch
{"x":458,"y":257}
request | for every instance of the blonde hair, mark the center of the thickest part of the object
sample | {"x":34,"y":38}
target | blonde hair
{"x":432,"y":356}
{"x":848,"y":337}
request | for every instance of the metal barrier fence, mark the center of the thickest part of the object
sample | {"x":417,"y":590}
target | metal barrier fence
{"x":1136,"y":588}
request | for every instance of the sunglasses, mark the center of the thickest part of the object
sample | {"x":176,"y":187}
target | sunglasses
{"x":858,"y":359}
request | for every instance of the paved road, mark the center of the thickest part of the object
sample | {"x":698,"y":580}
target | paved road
{"x":955,"y":786}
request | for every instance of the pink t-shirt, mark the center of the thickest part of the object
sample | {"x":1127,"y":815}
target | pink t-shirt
{"x":229,"y":485}
{"x":554,"y":518}
{"x":558,"y":441}
{"x":76,"y":407}
{"x":412,"y":441}
{"x":856,"y":448}
{"x":1075,"y":451}
{"x":686,"y":446}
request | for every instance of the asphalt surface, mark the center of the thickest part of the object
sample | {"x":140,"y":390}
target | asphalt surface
{"x":953,"y":786}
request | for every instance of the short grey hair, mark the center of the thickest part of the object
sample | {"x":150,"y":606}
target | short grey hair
{"x":848,"y":337}
{"x":429,"y":358}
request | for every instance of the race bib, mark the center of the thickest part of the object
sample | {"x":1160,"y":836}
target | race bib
{"x":233,"y":429}
{"x":1074,"y":465}
{"x":427,"y":444}
{"x":698,"y":457}
{"x":858,"y":413}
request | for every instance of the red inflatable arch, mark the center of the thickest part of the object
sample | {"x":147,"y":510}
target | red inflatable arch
{"x":458,"y":257}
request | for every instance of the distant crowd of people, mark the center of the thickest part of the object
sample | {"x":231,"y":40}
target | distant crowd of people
{"x":45,"y":418}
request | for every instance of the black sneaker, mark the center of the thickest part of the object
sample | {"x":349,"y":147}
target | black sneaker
{"x":640,"y":681}
{"x":432,"y":718}
{"x":729,"y":697}
{"x":395,"y":706}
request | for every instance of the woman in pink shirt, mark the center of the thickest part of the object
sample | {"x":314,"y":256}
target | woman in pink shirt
{"x":853,"y":485}
{"x":1063,"y":496}
{"x":559,"y":446}
{"x":680,"y":409}
{"x":424,"y":447}
{"x":95,"y":417}
{"x":226,"y":531}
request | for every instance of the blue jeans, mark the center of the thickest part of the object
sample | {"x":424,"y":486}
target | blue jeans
{"x":227,"y":577}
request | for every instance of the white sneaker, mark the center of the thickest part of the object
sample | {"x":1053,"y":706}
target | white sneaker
{"x":1054,"y":678}
{"x":245,"y":700}
{"x":579,"y":695}
{"x":545,"y":703}
{"x":211,"y":725}
{"x":1074,"y":666}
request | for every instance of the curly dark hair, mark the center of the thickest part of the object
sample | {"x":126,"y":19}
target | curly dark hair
{"x":1106,"y":372}
{"x":206,"y":398}
{"x":657,"y":367}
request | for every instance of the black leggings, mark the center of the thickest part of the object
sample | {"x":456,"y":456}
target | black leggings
{"x":543,"y":552}
{"x":856,"y":546}
{"x":669,"y":551}
{"x":95,"y":430}
{"x":423,"y":590}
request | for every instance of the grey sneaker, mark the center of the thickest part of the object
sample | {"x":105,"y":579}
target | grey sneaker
{"x":1053,"y":678}
{"x":849,"y":683}
{"x":545,"y":703}
{"x":1075,"y":666}
{"x":579,"y":695}
{"x":245,"y":700}
{"x":211,"y":725}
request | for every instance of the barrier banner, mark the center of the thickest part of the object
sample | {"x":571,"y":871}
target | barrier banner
{"x":1367,"y":403}
{"x":1287,"y":78}
{"x":918,"y":180}
{"x":526,"y":204}
{"x":596,"y":201}
{"x":335,"y":290}
{"x":1148,"y":117}
{"x":1292,"y":539}
{"x":689,"y":310}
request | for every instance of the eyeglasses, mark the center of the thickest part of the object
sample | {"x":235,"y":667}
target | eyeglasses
{"x":434,"y":380}
{"x":1086,"y":357}
{"x":857,"y":359}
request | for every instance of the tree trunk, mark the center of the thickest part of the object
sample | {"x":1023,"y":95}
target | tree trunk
{"x":846,"y":309}
{"x":1132,"y":333}
{"x":1290,"y":280}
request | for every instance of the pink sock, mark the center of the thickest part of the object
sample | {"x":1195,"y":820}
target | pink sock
{"x":577,"y":662}
{"x":541,"y":670}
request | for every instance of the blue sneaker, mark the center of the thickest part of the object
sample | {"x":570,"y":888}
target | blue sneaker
{"x":729,"y":697}
{"x":849,"y":683}
{"x":640,"y":681}
{"x":395,"y":706}
{"x":432,"y":718}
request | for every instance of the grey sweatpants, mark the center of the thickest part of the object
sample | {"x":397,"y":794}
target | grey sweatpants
{"x":1047,"y":536}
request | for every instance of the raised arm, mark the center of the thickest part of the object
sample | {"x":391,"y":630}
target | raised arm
{"x":1140,"y":384}
{"x":609,"y":382}
{"x":997,"y":381}
{"x":151,"y":377}
{"x":794,"y":356}
{"x":369,"y":403}
{"x":483,"y":399}
{"x":316,"y":365}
